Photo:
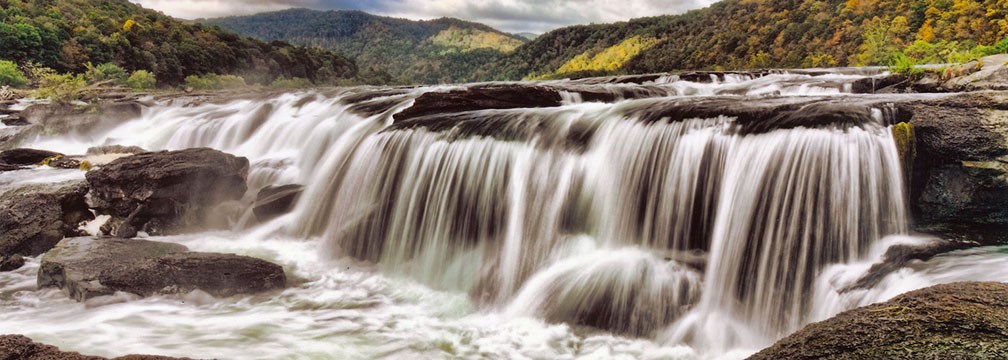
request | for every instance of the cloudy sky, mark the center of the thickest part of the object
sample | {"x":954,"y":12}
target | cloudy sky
{"x":508,"y":15}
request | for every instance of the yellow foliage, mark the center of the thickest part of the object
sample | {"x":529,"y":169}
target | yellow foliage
{"x":128,"y":25}
{"x":609,"y":59}
{"x":926,"y":32}
{"x":471,"y":39}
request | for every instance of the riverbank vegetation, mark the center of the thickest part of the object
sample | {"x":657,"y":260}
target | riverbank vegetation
{"x":67,"y":35}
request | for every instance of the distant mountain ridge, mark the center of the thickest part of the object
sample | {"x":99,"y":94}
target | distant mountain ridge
{"x":740,"y":34}
{"x":730,"y":34}
{"x":409,"y":51}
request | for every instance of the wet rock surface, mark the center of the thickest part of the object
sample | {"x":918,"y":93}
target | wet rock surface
{"x":26,"y":157}
{"x":950,"y":321}
{"x":168,"y":191}
{"x":960,"y":173}
{"x":34,"y":218}
{"x":88,"y":267}
{"x":481,"y":98}
{"x":23,"y":348}
{"x":272,"y":201}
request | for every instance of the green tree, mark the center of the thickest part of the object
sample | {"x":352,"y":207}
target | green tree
{"x":11,"y":75}
{"x":105,"y":72}
{"x":141,"y":80}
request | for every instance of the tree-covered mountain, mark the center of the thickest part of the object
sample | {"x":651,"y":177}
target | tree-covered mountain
{"x":735,"y":34}
{"x":433,"y":51}
{"x":67,"y":35}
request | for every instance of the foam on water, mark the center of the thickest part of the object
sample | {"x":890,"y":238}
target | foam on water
{"x":581,"y":231}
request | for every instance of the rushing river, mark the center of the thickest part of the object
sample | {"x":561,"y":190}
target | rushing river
{"x":579,"y":231}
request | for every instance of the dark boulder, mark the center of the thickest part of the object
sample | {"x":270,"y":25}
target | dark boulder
{"x":34,"y":218}
{"x":114,"y":149}
{"x":86,"y":267}
{"x":217,"y":274}
{"x":23,"y":348}
{"x":174,"y":189}
{"x":11,"y":263}
{"x":950,"y":321}
{"x":959,"y":185}
{"x":15,"y":120}
{"x":481,"y":98}
{"x":272,"y":201}
{"x":875,"y":84}
{"x":26,"y":156}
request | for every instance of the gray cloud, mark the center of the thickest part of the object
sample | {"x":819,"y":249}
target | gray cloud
{"x":507,"y":15}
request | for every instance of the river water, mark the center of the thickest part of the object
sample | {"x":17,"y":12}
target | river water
{"x":589,"y":230}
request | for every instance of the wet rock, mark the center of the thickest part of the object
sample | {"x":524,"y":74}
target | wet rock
{"x":11,"y":263}
{"x":8,"y":167}
{"x":965,"y":193}
{"x":217,"y":274}
{"x":272,"y":201}
{"x":114,"y":150}
{"x":26,"y":156}
{"x":15,"y":120}
{"x":174,"y":188}
{"x":898,"y":256}
{"x":34,"y":218}
{"x":950,"y":321}
{"x":875,"y":84}
{"x":959,"y":183}
{"x":86,"y":267}
{"x":23,"y":348}
{"x":481,"y":98}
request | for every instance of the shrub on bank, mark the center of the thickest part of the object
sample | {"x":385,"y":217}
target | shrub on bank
{"x":214,"y":82}
{"x":294,"y":83}
{"x":11,"y":75}
{"x":105,"y":72}
{"x":141,"y":80}
{"x":61,"y":87}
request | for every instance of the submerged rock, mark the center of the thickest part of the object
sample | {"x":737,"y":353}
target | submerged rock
{"x":272,"y":201}
{"x":625,"y":291}
{"x":86,"y":267}
{"x":23,"y":348}
{"x":950,"y":321}
{"x":172,"y":189}
{"x":34,"y":218}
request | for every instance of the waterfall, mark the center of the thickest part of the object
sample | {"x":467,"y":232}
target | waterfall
{"x":704,"y":230}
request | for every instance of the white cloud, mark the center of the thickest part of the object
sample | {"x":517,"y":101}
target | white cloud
{"x":508,"y":15}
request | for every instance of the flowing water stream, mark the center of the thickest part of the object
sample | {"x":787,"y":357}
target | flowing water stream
{"x":589,"y":230}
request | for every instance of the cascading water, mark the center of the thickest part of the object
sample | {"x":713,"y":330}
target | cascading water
{"x":684,"y":231}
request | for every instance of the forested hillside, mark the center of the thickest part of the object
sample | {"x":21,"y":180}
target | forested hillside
{"x":67,"y":35}
{"x":735,"y":34}
{"x":441,"y":50}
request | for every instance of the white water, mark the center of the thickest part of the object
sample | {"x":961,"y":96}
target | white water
{"x":418,"y":243}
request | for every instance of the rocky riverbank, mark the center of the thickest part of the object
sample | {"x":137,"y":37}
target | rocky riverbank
{"x":949,"y":321}
{"x":157,"y":193}
{"x":22,"y":348}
